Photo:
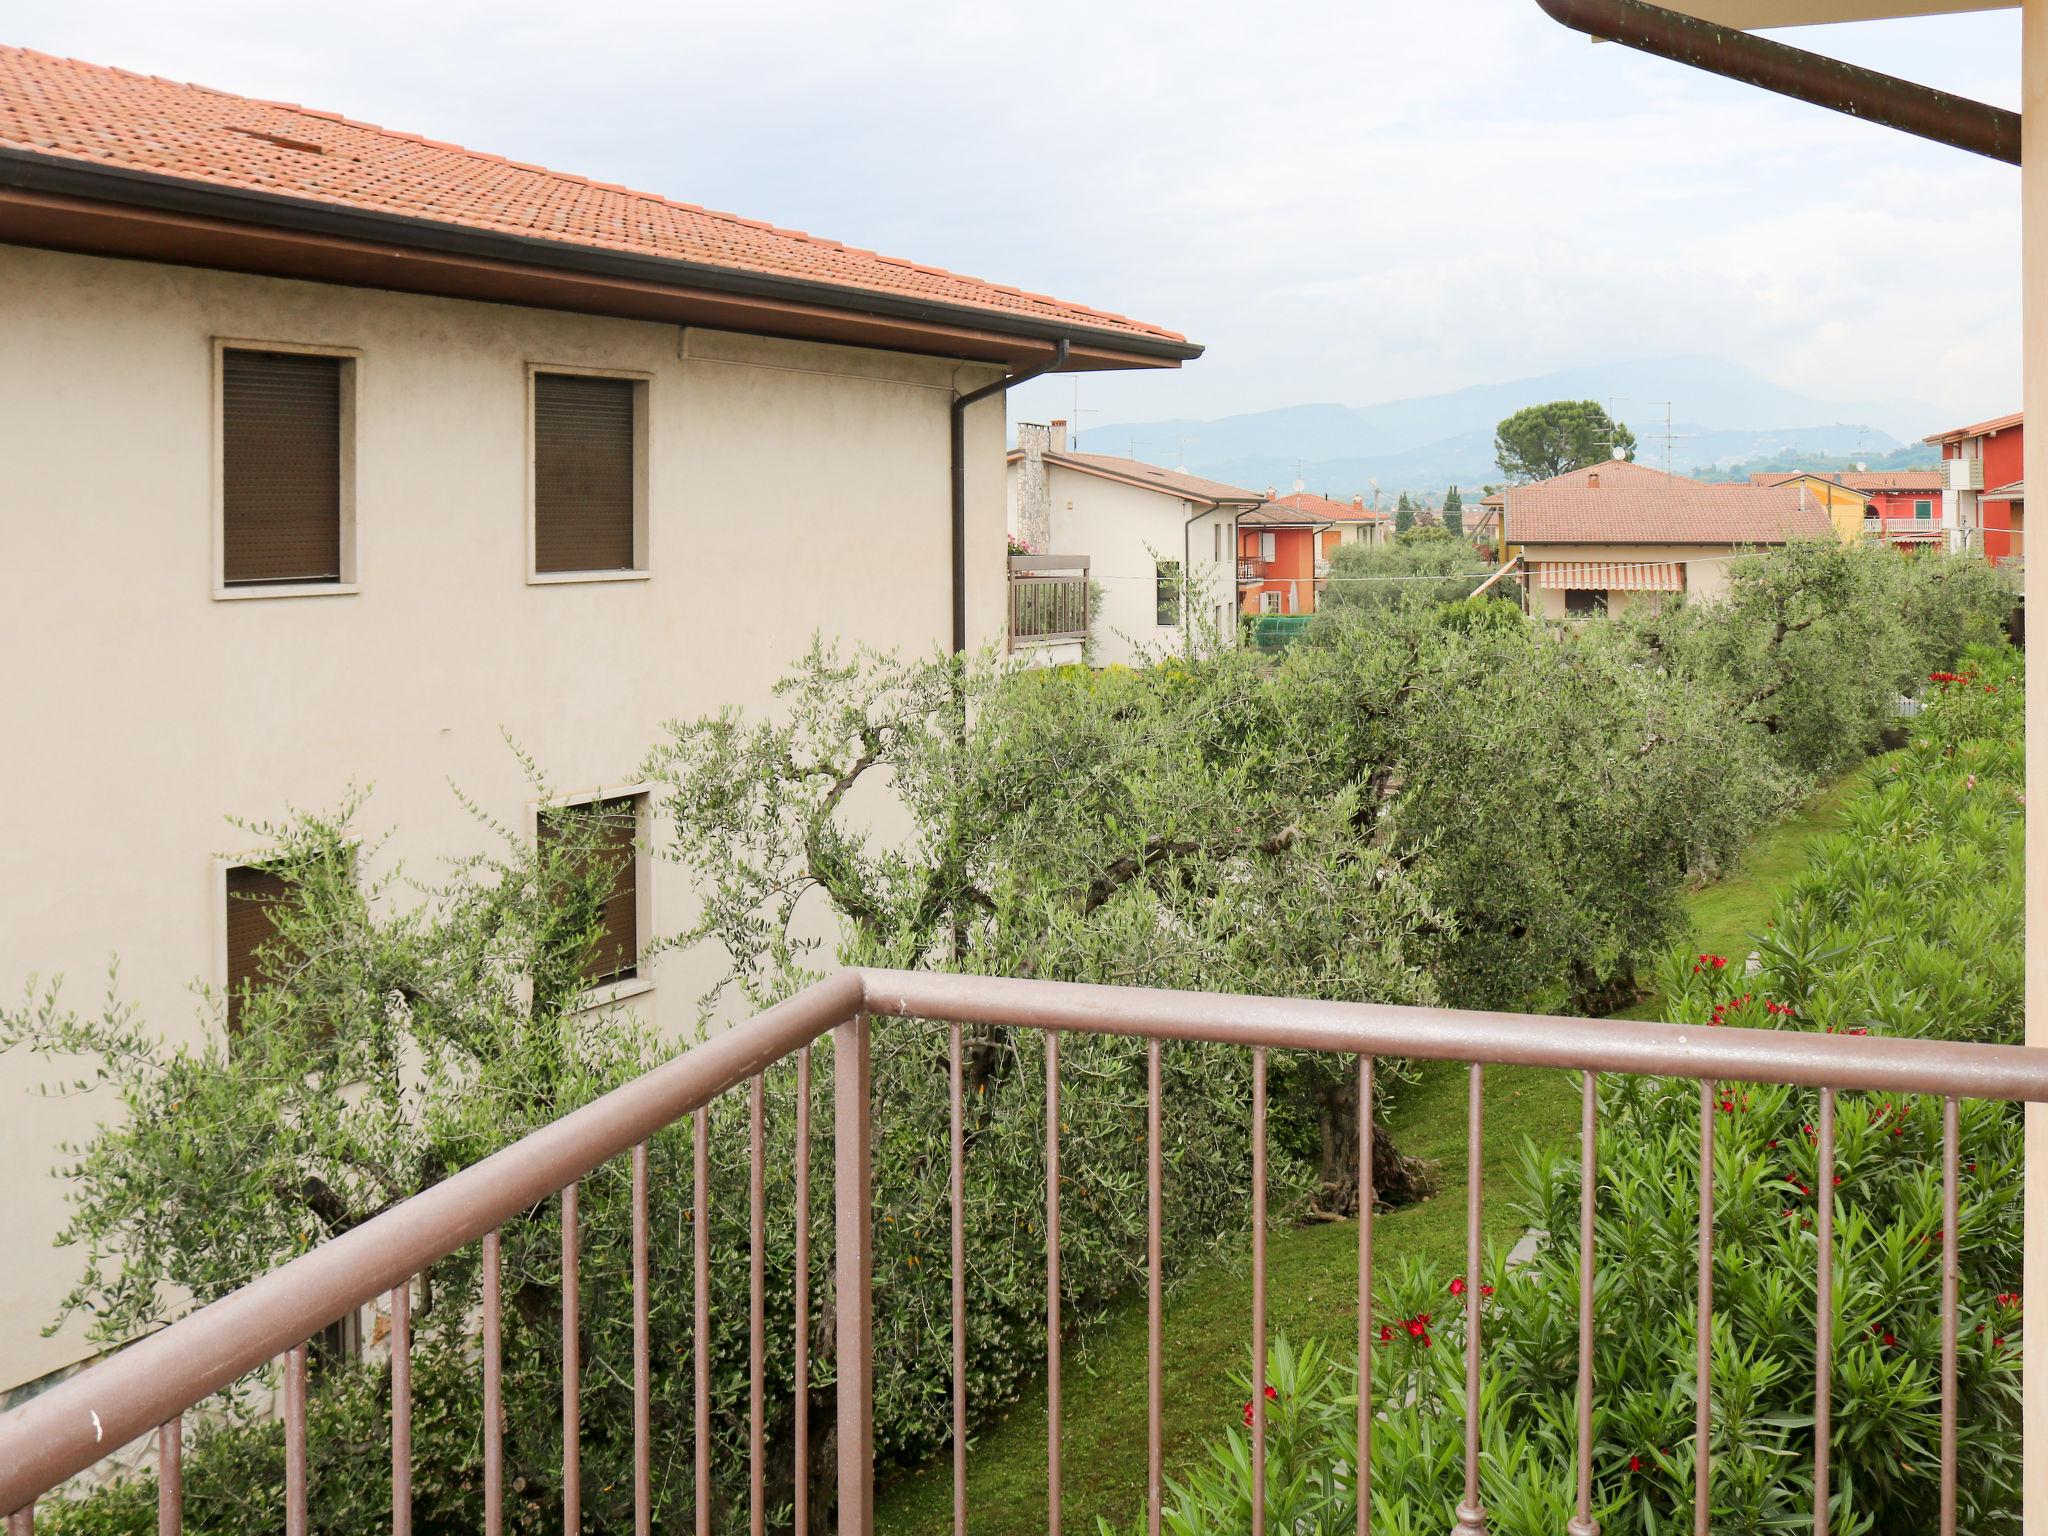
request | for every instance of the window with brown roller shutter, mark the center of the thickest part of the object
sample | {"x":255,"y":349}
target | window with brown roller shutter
{"x":585,"y":478}
{"x":252,"y":893}
{"x":281,"y":471}
{"x":615,"y":824}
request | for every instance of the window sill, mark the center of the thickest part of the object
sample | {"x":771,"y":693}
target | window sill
{"x":286,"y":589}
{"x":575,"y":578}
{"x":613,"y":993}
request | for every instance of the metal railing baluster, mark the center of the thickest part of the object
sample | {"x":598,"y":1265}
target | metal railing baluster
{"x":1471,"y":1509}
{"x":643,"y":1502}
{"x":757,"y":1304}
{"x":572,"y":1371}
{"x":170,"y":1477}
{"x":801,"y":1392}
{"x":1052,"y":1281}
{"x":494,"y":1401}
{"x":1951,"y":1287}
{"x":1154,"y":1321}
{"x":1365,"y":1198}
{"x":401,"y":1410}
{"x":853,"y":1203}
{"x":1582,"y":1522}
{"x":1258,"y":1403}
{"x":1824,"y":1311}
{"x":956,"y":1195}
{"x":700,"y":1326}
{"x":1703,"y":1363}
{"x":295,"y":1441}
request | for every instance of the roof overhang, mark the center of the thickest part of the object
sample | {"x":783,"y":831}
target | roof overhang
{"x":1752,"y":15}
{"x":61,"y":203}
{"x":1101,"y":472}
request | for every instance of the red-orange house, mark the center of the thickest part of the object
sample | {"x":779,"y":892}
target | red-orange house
{"x":1984,"y":500}
{"x":1285,"y":543}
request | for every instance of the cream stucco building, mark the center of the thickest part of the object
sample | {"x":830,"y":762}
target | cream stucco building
{"x":1161,"y":543}
{"x":1621,"y":535}
{"x":803,"y":439}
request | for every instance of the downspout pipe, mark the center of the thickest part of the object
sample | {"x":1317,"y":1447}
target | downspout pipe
{"x":1052,"y":364}
{"x":1958,"y":121}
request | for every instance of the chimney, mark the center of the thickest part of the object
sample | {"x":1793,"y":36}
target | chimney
{"x":1031,"y":487}
{"x":1593,"y":481}
{"x":1272,"y":493}
{"x":1358,"y":500}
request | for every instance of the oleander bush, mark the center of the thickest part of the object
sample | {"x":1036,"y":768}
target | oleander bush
{"x":1909,"y":924}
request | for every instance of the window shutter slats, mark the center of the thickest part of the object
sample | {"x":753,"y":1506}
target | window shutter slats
{"x":251,"y":894}
{"x":583,"y":473}
{"x":280,"y":467}
{"x":617,"y":953}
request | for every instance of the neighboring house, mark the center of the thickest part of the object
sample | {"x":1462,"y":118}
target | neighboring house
{"x":1900,"y":505}
{"x":1339,"y":523}
{"x":337,"y":456}
{"x":1157,"y":543}
{"x":1983,"y":493}
{"x":1598,"y":540}
{"x":1278,"y":549}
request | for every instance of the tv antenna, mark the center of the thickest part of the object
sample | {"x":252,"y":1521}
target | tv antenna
{"x":1670,"y":436}
{"x":1077,"y":412}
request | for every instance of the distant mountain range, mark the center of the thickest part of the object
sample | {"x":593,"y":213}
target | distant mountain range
{"x":1721,"y":414}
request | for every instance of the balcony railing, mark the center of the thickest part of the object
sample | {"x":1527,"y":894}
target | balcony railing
{"x":151,"y":1385}
{"x":1251,"y":570}
{"x":1048,"y":599}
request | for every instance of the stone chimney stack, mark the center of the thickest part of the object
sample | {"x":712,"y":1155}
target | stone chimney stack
{"x":1031,"y":510}
{"x":1593,"y":481}
{"x":1358,"y":500}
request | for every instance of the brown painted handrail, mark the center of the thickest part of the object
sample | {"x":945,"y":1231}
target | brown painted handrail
{"x":65,"y":1430}
{"x":69,"y":1428}
{"x":1946,"y":118}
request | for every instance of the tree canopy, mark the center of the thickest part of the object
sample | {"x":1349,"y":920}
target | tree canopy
{"x":1539,"y":441}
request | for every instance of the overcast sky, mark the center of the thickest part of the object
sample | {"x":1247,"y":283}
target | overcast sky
{"x":1345,"y":201}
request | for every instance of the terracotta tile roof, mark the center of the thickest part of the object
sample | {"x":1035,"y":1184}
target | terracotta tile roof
{"x":2017,"y":491}
{"x":1322,"y":509}
{"x":1175,"y":482}
{"x":1679,"y":511}
{"x":1858,"y":479}
{"x":1981,"y":429}
{"x":1608,"y":475}
{"x":112,"y":117}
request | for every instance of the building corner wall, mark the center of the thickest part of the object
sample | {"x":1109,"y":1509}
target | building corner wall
{"x":2034,"y":294}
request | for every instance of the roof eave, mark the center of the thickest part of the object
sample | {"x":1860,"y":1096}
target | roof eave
{"x":66,"y":203}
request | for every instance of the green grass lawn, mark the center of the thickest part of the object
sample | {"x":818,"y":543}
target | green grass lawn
{"x":1312,"y":1274}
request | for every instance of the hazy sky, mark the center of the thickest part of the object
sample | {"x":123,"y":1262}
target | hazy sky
{"x":1345,"y":201}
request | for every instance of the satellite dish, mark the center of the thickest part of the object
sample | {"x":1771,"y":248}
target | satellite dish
{"x":1620,"y":453}
{"x":1861,"y":466}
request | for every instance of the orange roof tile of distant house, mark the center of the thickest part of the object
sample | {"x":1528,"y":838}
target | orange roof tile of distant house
{"x":1980,"y":429}
{"x":61,"y":110}
{"x":1856,"y":479}
{"x":1677,"y":511}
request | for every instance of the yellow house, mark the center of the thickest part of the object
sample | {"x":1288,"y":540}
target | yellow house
{"x":1847,"y":507}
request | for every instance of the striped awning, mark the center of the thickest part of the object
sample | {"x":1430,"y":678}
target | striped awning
{"x":1609,"y":575}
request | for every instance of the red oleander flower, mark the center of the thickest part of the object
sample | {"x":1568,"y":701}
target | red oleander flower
{"x":1458,"y":1286}
{"x":2009,"y":1299}
{"x":1487,"y":1290}
{"x":1386,"y":1334}
{"x":1272,"y":1396}
{"x":1635,"y":1463}
{"x":1890,"y":1342}
{"x":1416,"y":1327}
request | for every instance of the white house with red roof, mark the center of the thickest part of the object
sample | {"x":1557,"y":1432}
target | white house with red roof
{"x":338,"y":455}
{"x":1157,"y":545}
{"x":1617,"y":535}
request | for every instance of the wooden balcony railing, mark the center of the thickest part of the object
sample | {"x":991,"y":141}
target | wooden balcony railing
{"x":1049,"y":601}
{"x":1251,"y":570}
{"x":155,"y":1382}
